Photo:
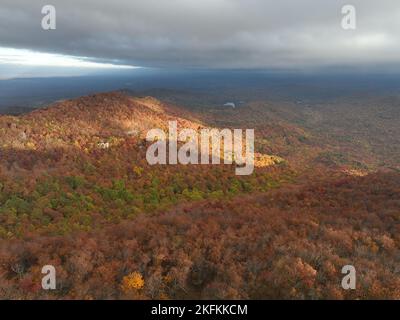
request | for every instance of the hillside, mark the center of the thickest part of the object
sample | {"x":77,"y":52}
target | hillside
{"x":81,"y":124}
{"x":287,"y":244}
{"x":80,"y":164}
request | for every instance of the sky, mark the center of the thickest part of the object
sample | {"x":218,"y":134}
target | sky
{"x":247,"y":34}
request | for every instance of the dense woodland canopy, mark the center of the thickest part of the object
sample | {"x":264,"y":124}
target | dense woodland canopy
{"x":116,"y":228}
{"x":284,"y":244}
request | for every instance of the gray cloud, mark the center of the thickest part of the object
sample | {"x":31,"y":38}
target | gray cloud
{"x":209,"y":33}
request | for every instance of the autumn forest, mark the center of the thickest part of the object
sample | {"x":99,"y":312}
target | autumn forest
{"x":76,"y":192}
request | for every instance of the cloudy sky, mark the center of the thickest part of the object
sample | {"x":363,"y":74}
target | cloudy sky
{"x":295,"y":34}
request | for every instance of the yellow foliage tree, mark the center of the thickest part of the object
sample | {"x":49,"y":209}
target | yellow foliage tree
{"x":133,"y":281}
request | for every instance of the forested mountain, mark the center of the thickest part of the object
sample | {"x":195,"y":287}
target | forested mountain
{"x":78,"y":193}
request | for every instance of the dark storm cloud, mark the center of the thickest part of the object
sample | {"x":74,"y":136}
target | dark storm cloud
{"x":209,"y":33}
